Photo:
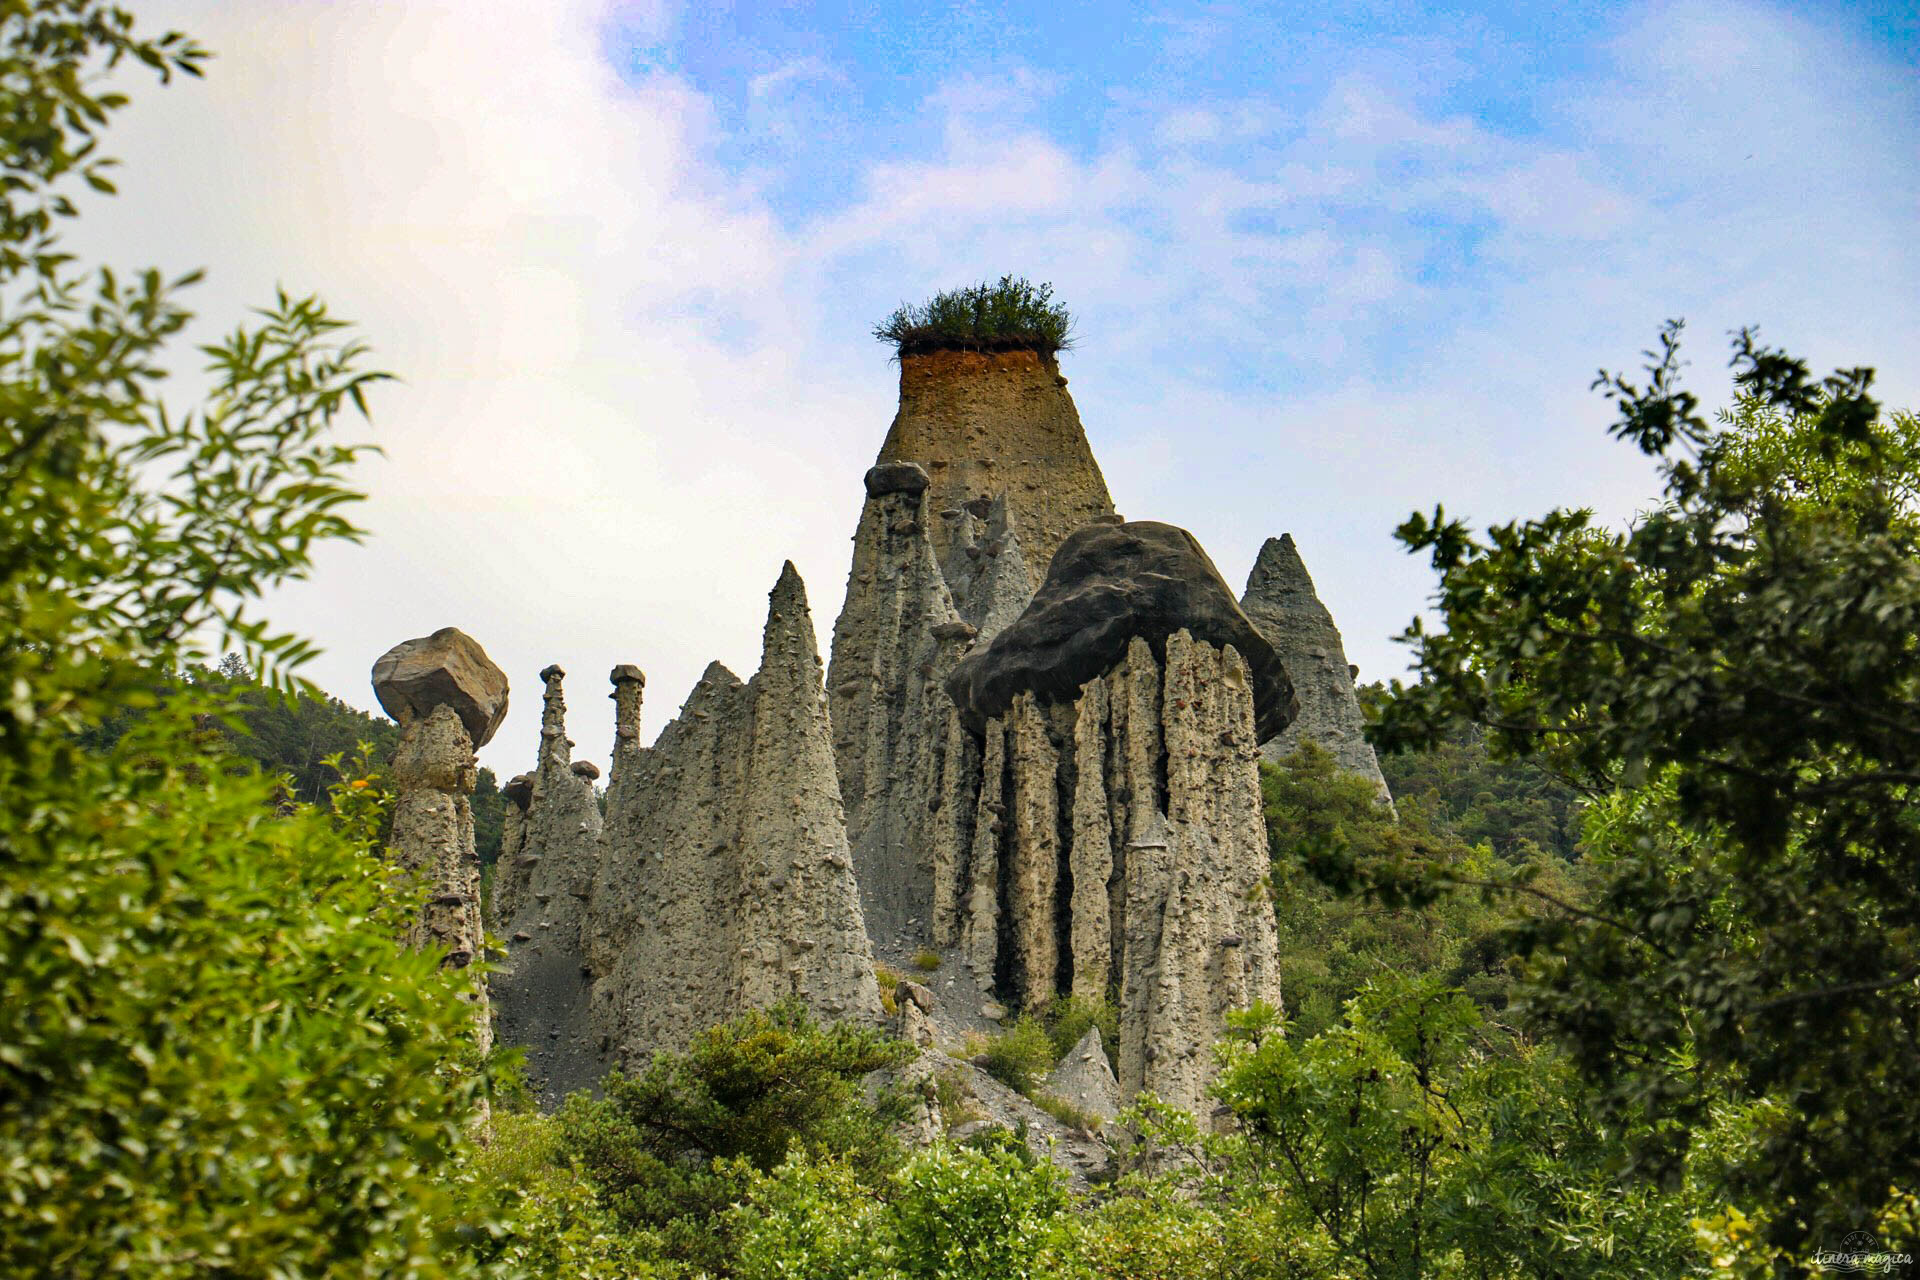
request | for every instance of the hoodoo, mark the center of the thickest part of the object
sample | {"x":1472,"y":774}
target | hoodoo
{"x":1035,"y":754}
{"x":447,"y":698}
{"x":1281,"y":601}
{"x":541,"y":890}
{"x":726,"y":883}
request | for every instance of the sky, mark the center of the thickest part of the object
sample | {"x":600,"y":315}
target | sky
{"x":1330,"y":264}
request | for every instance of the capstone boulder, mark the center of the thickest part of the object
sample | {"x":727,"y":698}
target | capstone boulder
{"x":447,"y":668}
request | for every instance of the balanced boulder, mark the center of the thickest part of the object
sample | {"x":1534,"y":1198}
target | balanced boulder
{"x":447,"y":668}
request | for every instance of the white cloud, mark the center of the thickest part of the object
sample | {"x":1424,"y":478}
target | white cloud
{"x":631,"y":391}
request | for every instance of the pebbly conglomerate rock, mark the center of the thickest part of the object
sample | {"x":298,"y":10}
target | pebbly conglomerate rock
{"x":727,"y":882}
{"x":1151,"y":886}
{"x":1107,"y":586}
{"x":550,"y":855}
{"x":1282,"y":603}
{"x":897,"y":739}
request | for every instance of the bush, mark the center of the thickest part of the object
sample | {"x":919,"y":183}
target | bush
{"x":1021,"y":1055}
{"x":963,"y":1213}
{"x":671,"y":1149}
{"x":1012,"y":315}
{"x":1068,"y":1019}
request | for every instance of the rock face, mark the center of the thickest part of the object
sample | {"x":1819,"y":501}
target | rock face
{"x":549,"y":859}
{"x":1123,"y":850}
{"x":1107,"y":586}
{"x":434,"y":771}
{"x":1281,"y":601}
{"x":727,"y":882}
{"x":1085,"y":1078}
{"x":897,"y":739}
{"x":446,"y":668}
{"x":987,"y":423}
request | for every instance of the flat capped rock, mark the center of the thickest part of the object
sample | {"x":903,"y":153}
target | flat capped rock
{"x":448,"y":667}
{"x":1106,"y":585}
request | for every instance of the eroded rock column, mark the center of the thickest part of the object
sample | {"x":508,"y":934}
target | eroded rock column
{"x":448,"y":699}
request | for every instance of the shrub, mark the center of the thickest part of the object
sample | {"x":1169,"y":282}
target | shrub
{"x":1013,"y":315}
{"x":1021,"y":1055}
{"x":672,"y":1148}
{"x":926,"y":960}
{"x":1068,"y":1019}
{"x":964,"y":1213}
{"x":1065,"y":1112}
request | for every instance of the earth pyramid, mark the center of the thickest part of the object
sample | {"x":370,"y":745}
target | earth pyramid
{"x":1033,"y":762}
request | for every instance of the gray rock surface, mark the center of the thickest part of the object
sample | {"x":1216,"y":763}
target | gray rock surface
{"x":447,"y":668}
{"x":1282,"y":603}
{"x":728,"y":882}
{"x":432,"y":837}
{"x":1108,"y":585}
{"x":897,"y":739}
{"x":540,"y":987}
{"x":1165,"y":852}
{"x":1085,"y":1078}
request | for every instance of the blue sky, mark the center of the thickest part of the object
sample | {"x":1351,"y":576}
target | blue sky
{"x":1330,"y":264}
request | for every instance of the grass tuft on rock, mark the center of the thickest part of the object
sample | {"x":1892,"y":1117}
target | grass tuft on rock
{"x":1013,"y":315}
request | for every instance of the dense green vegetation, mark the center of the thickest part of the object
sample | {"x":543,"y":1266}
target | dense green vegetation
{"x":1012,"y":315}
{"x":294,"y":736}
{"x":215,"y":1057}
{"x":1736,"y":678}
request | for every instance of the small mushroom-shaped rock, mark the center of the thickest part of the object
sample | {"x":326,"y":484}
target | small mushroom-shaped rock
{"x":586,"y":769}
{"x":519,"y":789}
{"x":895,"y":477}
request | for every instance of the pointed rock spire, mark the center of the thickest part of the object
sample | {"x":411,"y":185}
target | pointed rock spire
{"x":727,"y":882}
{"x":540,"y":989}
{"x":807,"y":938}
{"x":1281,"y":602}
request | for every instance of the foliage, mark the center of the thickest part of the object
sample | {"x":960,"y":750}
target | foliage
{"x":926,"y":960}
{"x":670,"y":1149}
{"x":197,"y":994}
{"x":1743,"y":667}
{"x":1011,"y":315}
{"x":215,"y":1055}
{"x":968,"y":1213}
{"x":1322,"y":823}
{"x":949,"y":1213}
{"x":1069,"y":1018}
{"x":294,"y":736}
{"x":1515,"y":807}
{"x":1406,"y":1143}
{"x":1020,"y":1056}
{"x":544,"y":1218}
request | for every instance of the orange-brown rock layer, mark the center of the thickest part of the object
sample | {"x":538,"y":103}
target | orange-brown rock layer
{"x":986,"y":422}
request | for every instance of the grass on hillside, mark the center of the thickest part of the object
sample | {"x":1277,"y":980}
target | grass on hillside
{"x":1013,"y":315}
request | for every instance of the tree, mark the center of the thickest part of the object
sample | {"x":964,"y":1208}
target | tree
{"x":671,"y":1148}
{"x":1737,"y":679}
{"x":215,"y":1056}
{"x":1411,"y":1142}
{"x":1326,"y":824}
